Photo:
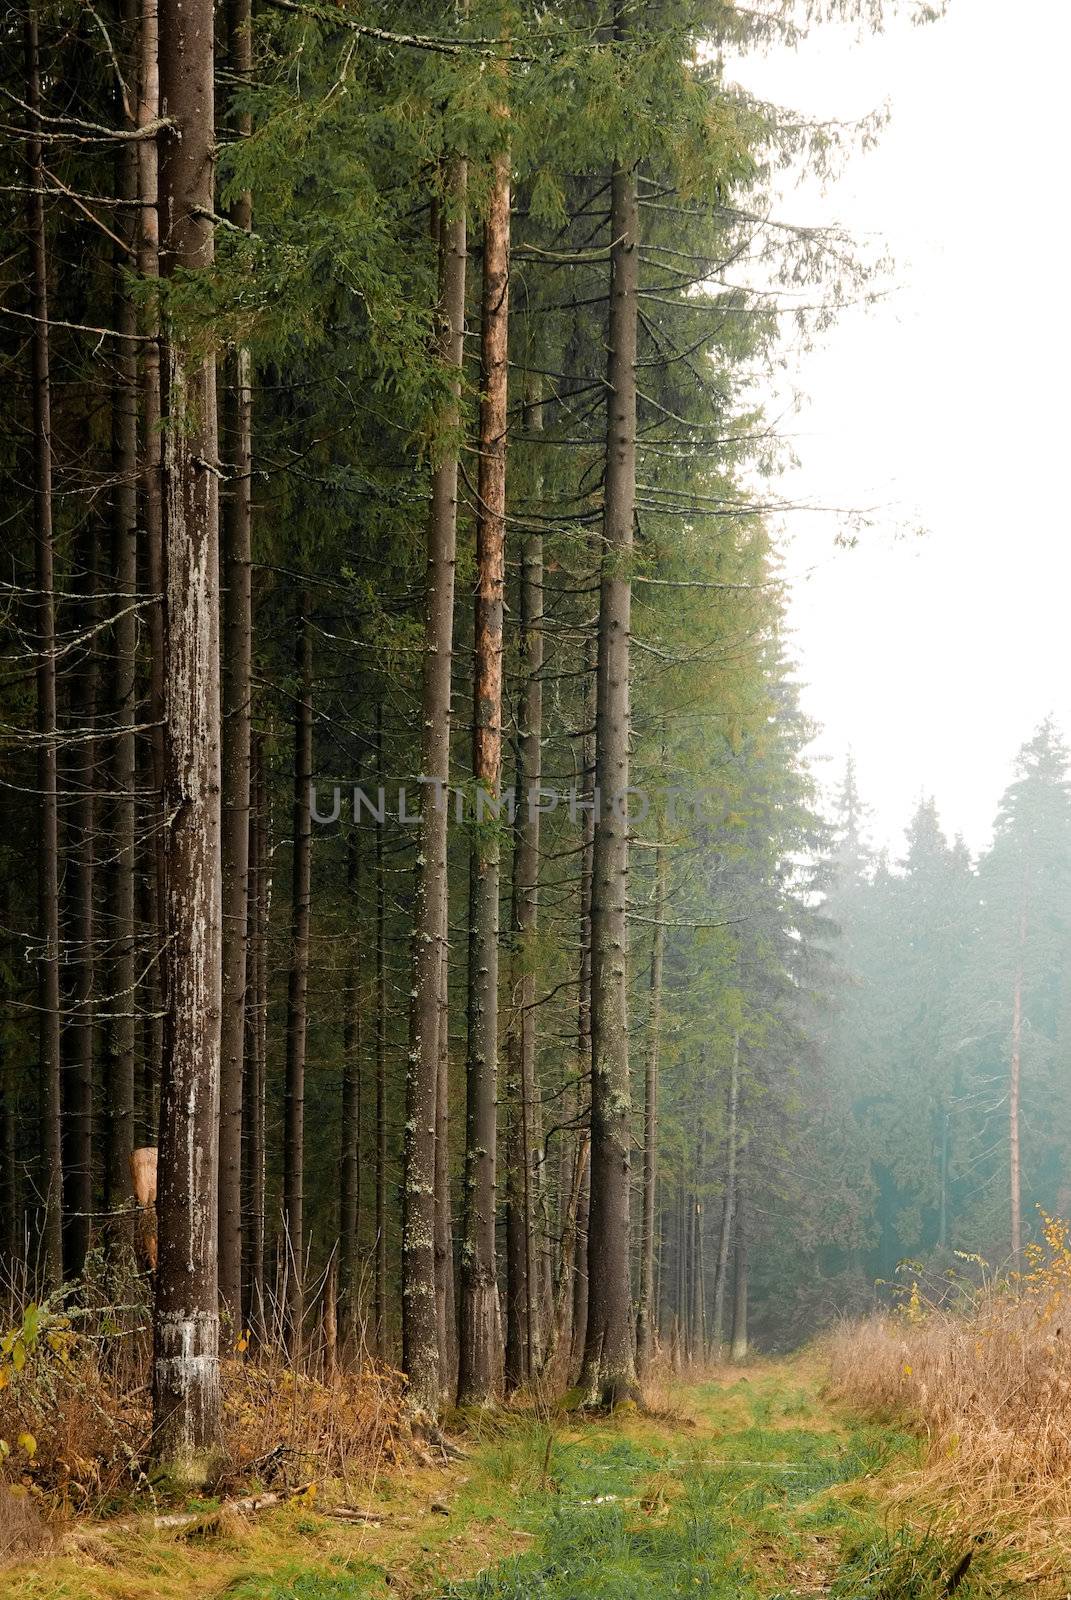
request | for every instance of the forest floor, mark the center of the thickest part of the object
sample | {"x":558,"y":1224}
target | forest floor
{"x":751,"y":1486}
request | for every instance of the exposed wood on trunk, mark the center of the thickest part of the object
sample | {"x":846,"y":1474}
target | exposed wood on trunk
{"x":609,"y":1352}
{"x":297,"y":992}
{"x":186,"y":1393}
{"x":480,"y":1335}
{"x":48,"y":984}
{"x":646,"y":1307}
{"x":421,"y":1353}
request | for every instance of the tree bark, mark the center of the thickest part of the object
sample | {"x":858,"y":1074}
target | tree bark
{"x":81,"y":916}
{"x":728,"y":1203}
{"x":297,"y":994}
{"x":48,"y":894}
{"x":255,"y":1059}
{"x":697,"y":1312}
{"x":186,"y":1393}
{"x":646,"y":1309}
{"x":480,"y":1325}
{"x":446,"y":1305}
{"x":578,"y":1241}
{"x":152,"y":1022}
{"x":237,"y":724}
{"x":380,"y":1301}
{"x":151,"y":444}
{"x":421,"y":1354}
{"x":523,"y":1353}
{"x":350,"y":1148}
{"x":609,"y":1354}
{"x":739,"y":1346}
{"x":121,"y":880}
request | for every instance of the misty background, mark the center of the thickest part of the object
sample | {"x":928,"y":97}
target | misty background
{"x":935,"y":646}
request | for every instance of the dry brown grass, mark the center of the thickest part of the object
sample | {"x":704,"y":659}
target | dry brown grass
{"x":76,"y":1415}
{"x":985,"y":1377}
{"x":24,"y":1531}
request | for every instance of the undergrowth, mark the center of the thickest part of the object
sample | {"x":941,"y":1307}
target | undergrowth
{"x":76,"y":1411}
{"x":980,"y":1367}
{"x":757,"y":1488}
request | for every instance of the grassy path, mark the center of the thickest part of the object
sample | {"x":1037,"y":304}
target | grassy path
{"x":755,"y":1488}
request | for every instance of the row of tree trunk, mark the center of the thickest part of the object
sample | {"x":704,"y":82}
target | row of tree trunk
{"x":207,"y":873}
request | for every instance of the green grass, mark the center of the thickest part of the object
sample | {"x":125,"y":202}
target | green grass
{"x":765,"y":1492}
{"x":771,"y":1496}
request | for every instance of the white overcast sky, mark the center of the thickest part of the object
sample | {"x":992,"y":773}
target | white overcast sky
{"x":946,"y":407}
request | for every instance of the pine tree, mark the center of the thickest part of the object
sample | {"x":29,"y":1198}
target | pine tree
{"x":186,"y":1392}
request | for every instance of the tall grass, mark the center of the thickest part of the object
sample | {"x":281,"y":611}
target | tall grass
{"x":76,"y":1402}
{"x":983,"y":1371}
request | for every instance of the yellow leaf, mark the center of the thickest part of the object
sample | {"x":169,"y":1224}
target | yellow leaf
{"x":28,"y":1444}
{"x":907,"y":1370}
{"x":4,"y":1377}
{"x":18,"y":1355}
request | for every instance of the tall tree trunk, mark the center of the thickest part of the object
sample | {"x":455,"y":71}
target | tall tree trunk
{"x":739,"y":1345}
{"x":122,"y":898}
{"x":237,"y":724}
{"x":350,"y":1145}
{"x":561,"y":1330}
{"x":80,"y":876}
{"x":48,"y":992}
{"x":152,"y":1022}
{"x":297,"y":993}
{"x":697,"y":1314}
{"x":255,"y":1060}
{"x":1014,"y":1099}
{"x":728,"y":1203}
{"x":151,"y":451}
{"x":578,"y":1291}
{"x":646,"y":1308}
{"x":186,"y":1393}
{"x":420,"y":1323}
{"x":609,"y":1352}
{"x":380,"y":1299}
{"x":480,"y":1330}
{"x":523,"y":1301}
{"x":446,"y":1305}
